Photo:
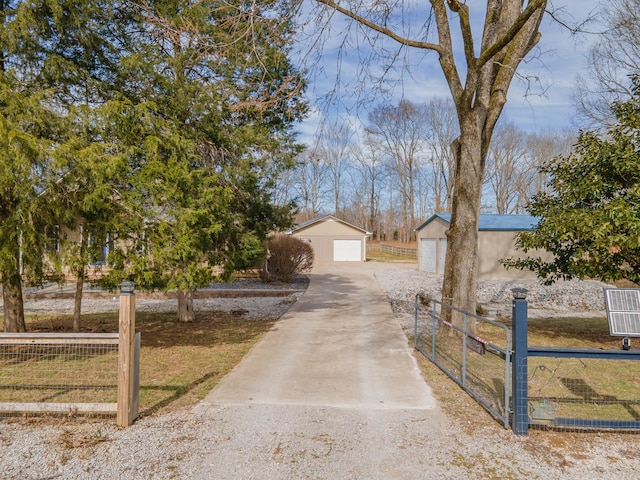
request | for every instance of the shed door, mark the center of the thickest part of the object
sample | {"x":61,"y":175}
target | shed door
{"x":443,"y":255}
{"x":428,"y":255}
{"x":347,"y":250}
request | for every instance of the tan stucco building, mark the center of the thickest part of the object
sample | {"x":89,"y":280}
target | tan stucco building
{"x":333,"y":240}
{"x":496,"y":241}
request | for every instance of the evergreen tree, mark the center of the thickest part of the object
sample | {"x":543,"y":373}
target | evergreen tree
{"x":158,"y":124}
{"x":219,"y":97}
{"x":24,"y":169}
{"x":59,"y":62}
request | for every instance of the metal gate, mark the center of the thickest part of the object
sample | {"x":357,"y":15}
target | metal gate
{"x":474,"y":351}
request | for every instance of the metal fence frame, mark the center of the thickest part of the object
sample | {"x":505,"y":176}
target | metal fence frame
{"x":516,"y":356}
{"x":473,"y":342}
{"x":521,"y":354}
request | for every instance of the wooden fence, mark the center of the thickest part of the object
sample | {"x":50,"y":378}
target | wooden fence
{"x":393,"y":250}
{"x":73,"y":373}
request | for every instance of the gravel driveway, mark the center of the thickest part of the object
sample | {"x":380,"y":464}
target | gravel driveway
{"x":266,"y":441}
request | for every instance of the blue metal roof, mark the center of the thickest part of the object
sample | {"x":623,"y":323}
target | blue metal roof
{"x":497,"y":222}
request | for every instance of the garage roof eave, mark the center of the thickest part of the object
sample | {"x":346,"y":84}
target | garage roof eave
{"x":325,"y":218}
{"x":493,"y":222}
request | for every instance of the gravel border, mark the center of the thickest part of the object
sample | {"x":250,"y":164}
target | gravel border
{"x":575,"y":298}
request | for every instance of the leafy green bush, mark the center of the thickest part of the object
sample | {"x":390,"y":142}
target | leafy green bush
{"x":589,"y":213}
{"x":287,"y":257}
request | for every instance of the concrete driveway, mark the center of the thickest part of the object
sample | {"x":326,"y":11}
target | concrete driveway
{"x":331,"y":392}
{"x":338,"y":346}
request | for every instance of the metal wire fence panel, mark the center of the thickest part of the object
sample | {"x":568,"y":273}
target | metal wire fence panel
{"x":448,"y":353}
{"x":578,"y":393}
{"x":57,"y":372}
{"x":520,"y":419}
{"x":473,"y":351}
{"x":554,"y":387}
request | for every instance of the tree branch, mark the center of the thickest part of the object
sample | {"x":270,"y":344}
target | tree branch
{"x":447,"y":61}
{"x":465,"y":27}
{"x":504,"y":40}
{"x":380,"y":29}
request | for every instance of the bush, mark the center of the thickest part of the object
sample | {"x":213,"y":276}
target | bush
{"x":287,"y":257}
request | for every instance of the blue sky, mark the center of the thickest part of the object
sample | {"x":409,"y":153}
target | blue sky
{"x":561,"y":59}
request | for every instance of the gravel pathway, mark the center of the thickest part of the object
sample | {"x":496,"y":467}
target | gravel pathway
{"x":315,"y":442}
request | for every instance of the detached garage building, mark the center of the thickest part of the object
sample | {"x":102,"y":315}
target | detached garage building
{"x":496,"y":241}
{"x":333,"y":240}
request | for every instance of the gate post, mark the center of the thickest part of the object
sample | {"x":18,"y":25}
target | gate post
{"x":519,"y":362}
{"x":127,"y":409}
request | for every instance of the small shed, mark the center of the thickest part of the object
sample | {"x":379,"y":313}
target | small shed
{"x":333,"y":240}
{"x":496,"y":241}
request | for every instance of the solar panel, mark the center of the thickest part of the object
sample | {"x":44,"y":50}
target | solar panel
{"x":623,"y":311}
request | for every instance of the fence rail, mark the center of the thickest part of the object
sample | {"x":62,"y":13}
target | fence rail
{"x":74,"y":373}
{"x":478,"y":359}
{"x":393,"y":250}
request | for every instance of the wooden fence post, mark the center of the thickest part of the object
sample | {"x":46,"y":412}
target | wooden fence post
{"x":127,"y":411}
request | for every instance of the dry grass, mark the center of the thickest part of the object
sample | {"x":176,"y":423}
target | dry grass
{"x":375,"y":254}
{"x":560,"y":332}
{"x":577,"y":388}
{"x":476,"y":422}
{"x":179,"y":362}
{"x":571,"y":332}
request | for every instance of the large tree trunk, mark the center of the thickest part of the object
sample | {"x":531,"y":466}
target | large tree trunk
{"x":510,"y":31}
{"x":13,"y":303}
{"x":185,"y":306}
{"x":460,"y":272}
{"x":77,"y":301}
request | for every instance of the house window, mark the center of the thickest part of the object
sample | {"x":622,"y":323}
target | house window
{"x":52,"y":239}
{"x":99,"y":248}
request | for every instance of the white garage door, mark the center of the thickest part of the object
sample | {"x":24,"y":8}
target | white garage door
{"x":428,"y":255}
{"x":347,"y":250}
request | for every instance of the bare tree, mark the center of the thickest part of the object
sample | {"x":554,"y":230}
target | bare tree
{"x":513,"y":172}
{"x":367,"y":179}
{"x":478,"y":81}
{"x":285,"y":183}
{"x":335,"y":146}
{"x":541,"y":148}
{"x":507,"y":166}
{"x":311,"y":174}
{"x":425,"y":197}
{"x":401,"y":132}
{"x":390,"y":216}
{"x":442,"y":131}
{"x":611,"y":61}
